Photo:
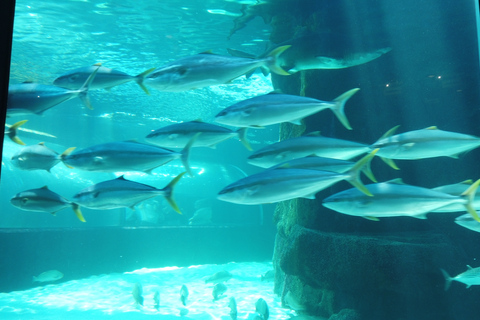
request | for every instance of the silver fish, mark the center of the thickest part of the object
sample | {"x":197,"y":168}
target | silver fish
{"x":106,"y":78}
{"x":36,"y":157}
{"x":471,"y":277}
{"x":207,"y":69}
{"x":137,"y":293}
{"x":268,"y":276}
{"x":307,"y":145}
{"x":282,"y":184}
{"x":123,"y":156}
{"x":184,"y":294}
{"x":33,"y":98}
{"x":156,"y":300}
{"x":457,"y":189}
{"x":44,"y":200}
{"x":11,"y":132}
{"x":123,"y":193}
{"x":218,"y":277}
{"x":48,"y":276}
{"x":467,"y":221}
{"x":394,"y":198}
{"x":275,"y":108}
{"x":421,"y":144}
{"x":261,"y":308}
{"x":177,"y":135}
{"x":218,"y":290}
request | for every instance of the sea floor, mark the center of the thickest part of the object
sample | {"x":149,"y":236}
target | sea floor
{"x":110,"y":295}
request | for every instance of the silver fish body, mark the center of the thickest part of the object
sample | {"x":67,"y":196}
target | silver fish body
{"x":44,"y":200}
{"x":393,"y":199}
{"x":219,"y":277}
{"x":177,"y":135}
{"x":467,"y":221}
{"x":122,"y":193}
{"x":137,"y":293}
{"x":425,"y":143}
{"x":457,"y":189}
{"x":184,"y":294}
{"x":35,"y":157}
{"x":218,"y":290}
{"x":277,"y":108}
{"x":207,"y":69}
{"x":120,"y":156}
{"x":261,"y":308}
{"x":312,"y":144}
{"x":34,"y":98}
{"x":471,"y":277}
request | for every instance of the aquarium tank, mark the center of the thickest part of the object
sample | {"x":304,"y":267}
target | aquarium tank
{"x":240,"y":159}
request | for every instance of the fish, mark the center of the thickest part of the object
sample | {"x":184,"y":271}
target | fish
{"x":425,"y":143}
{"x":261,"y":308}
{"x":394,"y":198}
{"x":325,"y":164}
{"x":471,"y":277}
{"x":293,"y":303}
{"x":11,"y":132}
{"x":282,"y":184}
{"x":105,"y":78}
{"x":314,"y":50}
{"x":177,"y":135}
{"x":34,"y":98}
{"x":274,"y":108}
{"x":137,"y":293}
{"x":184,"y":294}
{"x":218,"y":290}
{"x":218,"y":277}
{"x":156,"y":300}
{"x":36,"y":157}
{"x":44,"y":200}
{"x":467,"y":221}
{"x":208,"y":69}
{"x":48,"y":276}
{"x":232,"y":304}
{"x":122,"y":156}
{"x":307,"y":145}
{"x":268,"y":276}
{"x":457,"y":189}
{"x":123,"y":193}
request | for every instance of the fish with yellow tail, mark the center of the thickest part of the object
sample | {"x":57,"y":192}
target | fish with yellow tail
{"x":284,"y":183}
{"x":471,"y":277}
{"x":11,"y":132}
{"x":208,"y":69}
{"x":395,"y":198}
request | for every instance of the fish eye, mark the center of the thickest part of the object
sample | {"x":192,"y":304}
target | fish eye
{"x":182,"y":71}
{"x":24,"y":200}
{"x":73,"y":77}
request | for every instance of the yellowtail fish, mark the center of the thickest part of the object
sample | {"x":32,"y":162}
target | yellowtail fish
{"x":208,"y":69}
{"x":275,"y":108}
{"x":44,"y":200}
{"x":471,"y":277}
{"x":11,"y":132}
{"x":34,"y":98}
{"x":457,"y":189}
{"x":36,"y":157}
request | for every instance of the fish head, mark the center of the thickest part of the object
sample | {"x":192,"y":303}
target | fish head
{"x":20,"y":201}
{"x":350,"y":202}
{"x":237,"y":193}
{"x":235,"y":116}
{"x":70,"y":80}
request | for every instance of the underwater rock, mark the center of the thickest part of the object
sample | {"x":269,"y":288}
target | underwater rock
{"x":345,"y":314}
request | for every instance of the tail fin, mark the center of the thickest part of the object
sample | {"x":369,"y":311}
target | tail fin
{"x":186,"y":152}
{"x":272,"y":60}
{"x":470,"y":194}
{"x":139,"y":79}
{"x":242,"y":135}
{"x":12,"y":132}
{"x":355,"y":173}
{"x":338,"y":108}
{"x":83,"y":91}
{"x":448,"y":279}
{"x":168,"y":192}
{"x":78,"y":213}
{"x":65,"y":154}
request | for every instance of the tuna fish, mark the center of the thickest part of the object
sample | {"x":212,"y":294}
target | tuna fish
{"x":33,"y":98}
{"x":276,"y":108}
{"x":282,"y":184}
{"x":471,"y":277}
{"x":421,"y":144}
{"x":177,"y":135}
{"x":394,"y":198}
{"x":123,"y":193}
{"x":207,"y":69}
{"x":106,"y":78}
{"x":311,"y":144}
{"x":44,"y":200}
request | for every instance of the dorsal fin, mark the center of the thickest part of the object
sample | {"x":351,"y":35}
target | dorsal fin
{"x":42,"y":143}
{"x":207,"y":52}
{"x":396,"y":181}
{"x":276,"y":91}
{"x":98,"y":64}
{"x":45,"y":187}
{"x":313,"y":134}
{"x":389,"y":132}
{"x":432,"y":128}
